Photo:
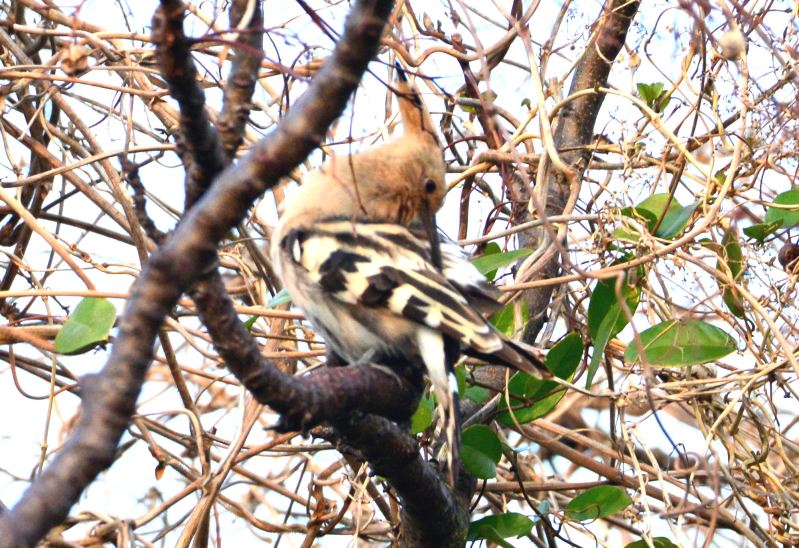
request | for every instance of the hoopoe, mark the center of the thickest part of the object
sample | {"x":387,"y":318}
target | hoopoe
{"x":348,"y":250}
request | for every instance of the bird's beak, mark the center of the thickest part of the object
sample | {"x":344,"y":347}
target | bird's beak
{"x":429,"y":222}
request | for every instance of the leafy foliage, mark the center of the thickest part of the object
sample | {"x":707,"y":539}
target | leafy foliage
{"x":657,"y":542}
{"x":494,"y":259}
{"x":480,"y":451}
{"x":606,"y":314}
{"x":788,"y":216}
{"x":89,"y":325}
{"x":532,"y":398}
{"x":598,"y":502}
{"x":679,"y":343}
{"x":500,"y":527}
{"x":424,"y":414}
{"x":654,"y":95}
{"x":662,"y":214}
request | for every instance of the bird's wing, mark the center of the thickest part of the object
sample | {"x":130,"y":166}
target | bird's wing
{"x":457,"y":268}
{"x":385,"y":266}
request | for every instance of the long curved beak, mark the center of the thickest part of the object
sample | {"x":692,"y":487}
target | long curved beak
{"x":430,"y":227}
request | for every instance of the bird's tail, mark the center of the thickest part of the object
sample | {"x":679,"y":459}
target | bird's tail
{"x":450,"y":422}
{"x":439,"y":354}
{"x":516,"y":355}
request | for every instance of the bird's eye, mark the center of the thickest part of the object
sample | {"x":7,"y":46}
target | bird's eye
{"x":430,"y":186}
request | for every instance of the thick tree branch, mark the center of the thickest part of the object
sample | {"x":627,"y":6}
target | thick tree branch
{"x":303,"y":401}
{"x":204,"y":157}
{"x":432,"y":513}
{"x":575,"y":129}
{"x":109,"y":397}
{"x":240,"y":83}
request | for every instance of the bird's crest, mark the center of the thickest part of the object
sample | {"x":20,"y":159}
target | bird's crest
{"x":415,"y":116}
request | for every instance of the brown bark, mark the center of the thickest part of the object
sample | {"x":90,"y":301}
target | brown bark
{"x":573,"y":134}
{"x":109,"y":397}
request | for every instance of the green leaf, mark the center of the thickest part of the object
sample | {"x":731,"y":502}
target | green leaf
{"x":487,"y":97}
{"x":731,"y":262}
{"x":505,"y":319}
{"x":491,"y":248}
{"x":734,"y":302}
{"x":678,"y":343}
{"x":789,"y":217}
{"x":544,"y":507}
{"x":533,"y":398}
{"x":606,"y":317}
{"x":657,"y":542}
{"x":626,"y":234}
{"x":460,"y":377}
{"x":87,"y":326}
{"x":600,"y":343}
{"x":604,"y":304}
{"x":477,"y":394}
{"x":250,"y":322}
{"x":499,"y":527}
{"x":707,"y":243}
{"x":650,"y":92}
{"x":422,"y":418}
{"x":564,"y":357}
{"x":654,"y":96}
{"x":675,"y":220}
{"x":675,"y":216}
{"x":480,"y":451}
{"x":282,"y":297}
{"x":598,"y":502}
{"x":488,"y":264}
{"x":762,"y":231}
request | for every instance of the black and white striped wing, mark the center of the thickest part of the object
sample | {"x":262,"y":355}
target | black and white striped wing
{"x":385,"y":266}
{"x":457,"y":268}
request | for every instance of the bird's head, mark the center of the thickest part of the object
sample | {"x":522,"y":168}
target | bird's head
{"x":399,"y":182}
{"x":411,"y":168}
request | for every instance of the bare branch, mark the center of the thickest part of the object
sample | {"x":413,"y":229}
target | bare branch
{"x":575,"y":129}
{"x":109,"y":397}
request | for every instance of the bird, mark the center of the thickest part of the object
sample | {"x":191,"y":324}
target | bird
{"x":358,"y":250}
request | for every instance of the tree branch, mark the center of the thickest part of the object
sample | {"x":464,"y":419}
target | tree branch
{"x":240,"y":83}
{"x":203,"y":155}
{"x":109,"y":397}
{"x":303,"y":401}
{"x":575,"y":129}
{"x":432,"y":513}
